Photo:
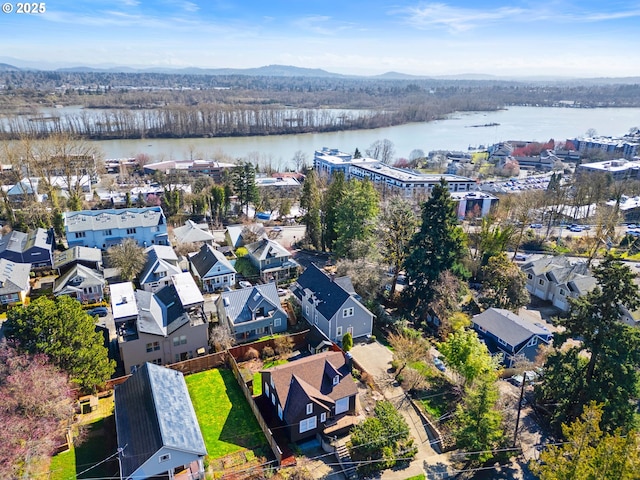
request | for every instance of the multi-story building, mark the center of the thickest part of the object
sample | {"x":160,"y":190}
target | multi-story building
{"x":105,"y":228}
{"x":620,"y":169}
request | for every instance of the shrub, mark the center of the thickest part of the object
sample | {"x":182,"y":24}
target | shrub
{"x":347,"y":342}
{"x":283,"y":345}
{"x":267,"y":352}
{"x":251,"y":354}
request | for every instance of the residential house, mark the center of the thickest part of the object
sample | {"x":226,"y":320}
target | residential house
{"x":212,"y":268}
{"x":170,"y":325}
{"x":157,"y":428}
{"x":332,"y":304}
{"x":82,"y":283}
{"x":192,"y":232}
{"x":161,"y":265}
{"x":317,"y":341}
{"x":105,"y":228}
{"x":252,"y":312}
{"x":236,"y":235}
{"x":311,"y":395}
{"x":88,"y":257}
{"x":272,"y":260}
{"x":14,"y":282}
{"x":35,"y":247}
{"x":557,"y":279}
{"x":510,"y":335}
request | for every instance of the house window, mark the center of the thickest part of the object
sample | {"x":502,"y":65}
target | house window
{"x":279,"y":412}
{"x":157,"y":361}
{"x":308,"y":424}
{"x":272,"y":385}
{"x":306,"y":309}
{"x":502,"y":342}
{"x":323,"y":417}
{"x":131,"y":231}
{"x":162,"y":274}
{"x":532,"y":342}
{"x":183,"y":339}
{"x":149,"y":347}
{"x":266,"y":390}
{"x":336,"y":379}
{"x":277,"y":322}
{"x":529,"y":276}
{"x":164,"y":458}
{"x":273,"y":399}
{"x":339,"y":332}
{"x":342,"y":405}
{"x":81,"y":234}
{"x":315,"y":318}
{"x":309,"y":408}
{"x":107,"y":232}
{"x":541,"y":282}
{"x":562,"y":292}
{"x":347,"y":312}
{"x":156,"y":345}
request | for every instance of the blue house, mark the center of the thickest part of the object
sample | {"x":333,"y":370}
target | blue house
{"x":106,"y":228}
{"x":35,"y":247}
{"x":510,"y":336}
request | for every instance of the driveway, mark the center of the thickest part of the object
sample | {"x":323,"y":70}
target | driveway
{"x":376,"y":359}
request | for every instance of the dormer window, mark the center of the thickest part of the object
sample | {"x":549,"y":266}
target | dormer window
{"x":336,"y":379}
{"x":309,"y":408}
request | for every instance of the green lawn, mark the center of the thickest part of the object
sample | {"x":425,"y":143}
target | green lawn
{"x":226,"y":420}
{"x":257,"y":378}
{"x":98,"y":445}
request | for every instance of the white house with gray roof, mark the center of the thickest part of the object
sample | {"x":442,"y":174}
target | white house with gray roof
{"x":169,"y":326}
{"x":82,"y":283}
{"x":106,"y":228}
{"x":557,"y":279}
{"x":252,"y":312}
{"x":157,"y":428}
{"x":161,"y":265}
{"x":192,"y":232}
{"x":510,"y":335}
{"x":14,"y":281}
{"x":212,"y":268}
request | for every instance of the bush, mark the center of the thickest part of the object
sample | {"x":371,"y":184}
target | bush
{"x":267,"y":352}
{"x":283,"y":345}
{"x":251,"y":354}
{"x":347,"y":342}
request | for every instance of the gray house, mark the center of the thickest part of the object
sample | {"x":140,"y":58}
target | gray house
{"x":82,"y":283}
{"x":252,"y":312}
{"x":332,"y":305}
{"x":163,"y":327}
{"x":157,"y":429}
{"x":509,"y":335}
{"x":272,"y":260}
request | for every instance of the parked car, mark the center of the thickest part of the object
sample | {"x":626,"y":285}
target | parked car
{"x":439,"y":364}
{"x":244,"y":284}
{"x":282,"y":292}
{"x":99,"y":311}
{"x":535,"y":225}
{"x":520,"y":257}
{"x":530,"y":375}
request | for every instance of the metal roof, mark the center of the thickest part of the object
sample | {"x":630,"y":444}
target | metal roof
{"x":87,"y":220}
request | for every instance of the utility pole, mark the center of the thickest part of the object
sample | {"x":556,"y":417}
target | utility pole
{"x":515,"y":433}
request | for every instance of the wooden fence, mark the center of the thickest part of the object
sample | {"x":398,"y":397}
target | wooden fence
{"x":256,"y":411}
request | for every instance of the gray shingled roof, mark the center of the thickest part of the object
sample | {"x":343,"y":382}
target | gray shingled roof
{"x":14,"y":277}
{"x":207,"y":258}
{"x":88,"y":277}
{"x":331,"y":293}
{"x":238,"y":303}
{"x":154,"y":410}
{"x":160,"y":258}
{"x":191,"y":232}
{"x":266,"y":248}
{"x":77,"y":253}
{"x":86,"y":220}
{"x":508,"y":326}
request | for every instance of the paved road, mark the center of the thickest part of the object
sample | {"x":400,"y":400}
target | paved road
{"x":376,"y":360}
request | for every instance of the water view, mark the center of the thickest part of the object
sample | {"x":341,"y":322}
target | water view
{"x":458,"y":132}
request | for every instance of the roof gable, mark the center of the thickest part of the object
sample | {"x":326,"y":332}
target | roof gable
{"x":511,"y":328}
{"x":330,"y":294}
{"x":208,"y":259}
{"x":154,"y":410}
{"x":240,"y":304}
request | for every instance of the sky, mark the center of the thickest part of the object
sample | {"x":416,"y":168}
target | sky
{"x":363,"y":37}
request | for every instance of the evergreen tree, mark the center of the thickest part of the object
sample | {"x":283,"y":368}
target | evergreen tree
{"x":602,"y":366}
{"x":310,"y":201}
{"x":244,"y":185}
{"x":332,"y":199}
{"x":61,"y":329}
{"x":355,"y":220}
{"x":357,"y":154}
{"x":504,"y":285}
{"x":439,"y":245}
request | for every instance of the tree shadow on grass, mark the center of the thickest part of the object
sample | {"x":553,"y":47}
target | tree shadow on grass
{"x":241,"y":427}
{"x":100,"y":442}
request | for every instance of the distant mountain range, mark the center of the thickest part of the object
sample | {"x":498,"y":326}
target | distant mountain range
{"x":292,"y":71}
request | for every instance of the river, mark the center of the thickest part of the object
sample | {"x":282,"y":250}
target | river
{"x":454,"y":133}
